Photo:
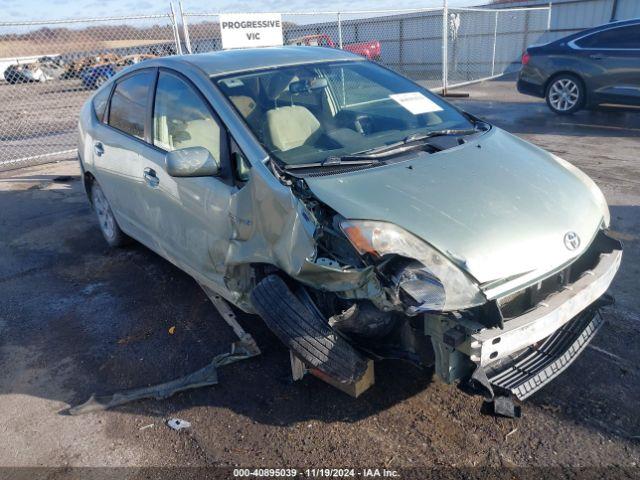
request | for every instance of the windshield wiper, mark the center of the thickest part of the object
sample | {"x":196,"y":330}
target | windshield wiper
{"x":419,"y":139}
{"x":410,"y":142}
{"x":373,"y":155}
{"x":332,"y":161}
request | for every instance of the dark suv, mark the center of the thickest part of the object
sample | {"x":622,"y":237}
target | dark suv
{"x":586,"y":69}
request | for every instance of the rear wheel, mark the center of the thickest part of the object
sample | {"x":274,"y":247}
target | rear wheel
{"x":111,"y":231}
{"x":565,"y":94}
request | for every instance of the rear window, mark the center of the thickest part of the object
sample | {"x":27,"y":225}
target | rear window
{"x":129,"y":104}
{"x":100,"y":103}
{"x":621,"y":37}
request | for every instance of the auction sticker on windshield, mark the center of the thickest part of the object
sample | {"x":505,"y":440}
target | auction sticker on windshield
{"x":247,"y":30}
{"x":416,"y":102}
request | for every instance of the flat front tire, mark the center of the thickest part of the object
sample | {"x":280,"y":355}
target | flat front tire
{"x":565,"y":94}
{"x":109,"y":227}
{"x":303,"y":329}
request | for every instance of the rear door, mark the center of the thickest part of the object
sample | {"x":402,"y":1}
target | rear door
{"x":189,"y":215}
{"x":614,"y":55}
{"x":116,"y":158}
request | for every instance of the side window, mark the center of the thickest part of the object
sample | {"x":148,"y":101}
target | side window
{"x":100,"y":103}
{"x":622,"y":37}
{"x":129,"y":104}
{"x":181,"y":118}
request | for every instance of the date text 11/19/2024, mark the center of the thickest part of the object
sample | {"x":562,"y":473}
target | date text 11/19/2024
{"x":316,"y":472}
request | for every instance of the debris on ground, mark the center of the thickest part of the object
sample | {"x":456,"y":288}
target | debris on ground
{"x":178,"y":424}
{"x":204,"y":377}
{"x":243,"y":349}
{"x":511,"y":433}
{"x":172,"y":330}
{"x":498,"y":403}
{"x":504,"y":406}
{"x":147,"y":426}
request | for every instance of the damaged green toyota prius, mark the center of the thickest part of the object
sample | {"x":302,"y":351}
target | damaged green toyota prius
{"x":360,"y":215}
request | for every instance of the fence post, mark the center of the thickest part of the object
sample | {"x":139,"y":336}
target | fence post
{"x":527,"y":27}
{"x":176,"y":33}
{"x":185,"y":28}
{"x":614,"y":10}
{"x":549,"y":17}
{"x":495,"y":40}
{"x":401,"y":66}
{"x":339,"y":30}
{"x":445,"y":46}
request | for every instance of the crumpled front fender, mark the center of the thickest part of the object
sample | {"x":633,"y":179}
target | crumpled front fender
{"x":270,"y":225}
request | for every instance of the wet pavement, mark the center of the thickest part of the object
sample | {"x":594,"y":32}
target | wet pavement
{"x":77,"y":317}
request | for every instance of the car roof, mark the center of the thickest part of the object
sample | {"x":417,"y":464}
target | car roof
{"x":242,"y":60}
{"x":604,"y":26}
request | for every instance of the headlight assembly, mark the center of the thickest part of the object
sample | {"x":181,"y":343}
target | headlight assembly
{"x":435,"y":284}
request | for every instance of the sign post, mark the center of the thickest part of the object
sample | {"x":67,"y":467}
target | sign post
{"x":247,"y":30}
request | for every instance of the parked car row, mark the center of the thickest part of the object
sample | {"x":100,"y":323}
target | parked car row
{"x":597,"y":66}
{"x":370,"y":50}
{"x":92,"y":70}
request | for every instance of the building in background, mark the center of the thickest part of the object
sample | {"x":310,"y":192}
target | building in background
{"x":570,"y":16}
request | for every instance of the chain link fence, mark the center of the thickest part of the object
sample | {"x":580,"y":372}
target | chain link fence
{"x":481,"y":43}
{"x":484,"y":44}
{"x":49,"y":68}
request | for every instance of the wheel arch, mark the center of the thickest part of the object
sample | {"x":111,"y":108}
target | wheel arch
{"x":88,"y":180}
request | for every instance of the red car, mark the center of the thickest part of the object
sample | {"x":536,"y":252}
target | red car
{"x":369,"y":50}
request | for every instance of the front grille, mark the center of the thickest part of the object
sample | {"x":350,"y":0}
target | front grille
{"x":518,"y":303}
{"x":526,"y":372}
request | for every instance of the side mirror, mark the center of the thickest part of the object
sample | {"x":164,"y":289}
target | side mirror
{"x":191,"y":162}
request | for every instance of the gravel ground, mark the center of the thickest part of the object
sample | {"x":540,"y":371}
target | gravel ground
{"x":77,"y":318}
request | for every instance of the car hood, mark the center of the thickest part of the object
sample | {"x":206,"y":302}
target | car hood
{"x":497,"y":206}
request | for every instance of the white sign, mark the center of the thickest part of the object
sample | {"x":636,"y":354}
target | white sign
{"x":416,"y":102}
{"x":246,"y":30}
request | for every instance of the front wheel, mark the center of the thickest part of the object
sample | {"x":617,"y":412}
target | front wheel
{"x":565,"y":94}
{"x":111,"y":231}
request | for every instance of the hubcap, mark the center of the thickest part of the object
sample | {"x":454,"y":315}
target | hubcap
{"x":564,"y":94}
{"x":103,"y":211}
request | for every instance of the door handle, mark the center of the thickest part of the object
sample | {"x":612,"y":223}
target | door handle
{"x":150,"y":177}
{"x":98,"y":148}
{"x":597,"y":56}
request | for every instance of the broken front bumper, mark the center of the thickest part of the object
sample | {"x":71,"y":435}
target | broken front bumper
{"x":493,"y":344}
{"x":527,"y":372}
{"x":533,"y":348}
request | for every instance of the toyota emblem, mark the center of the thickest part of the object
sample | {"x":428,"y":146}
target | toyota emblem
{"x":571,"y":241}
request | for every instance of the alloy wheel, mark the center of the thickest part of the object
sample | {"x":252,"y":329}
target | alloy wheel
{"x":564,"y":94}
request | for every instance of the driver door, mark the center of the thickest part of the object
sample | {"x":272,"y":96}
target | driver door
{"x":189,"y":215}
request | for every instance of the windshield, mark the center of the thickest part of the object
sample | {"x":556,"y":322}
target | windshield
{"x":307,"y":113}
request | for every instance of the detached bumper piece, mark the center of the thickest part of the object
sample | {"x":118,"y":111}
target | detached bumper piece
{"x":539,"y":364}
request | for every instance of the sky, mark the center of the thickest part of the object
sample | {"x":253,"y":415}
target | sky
{"x":24,"y":10}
